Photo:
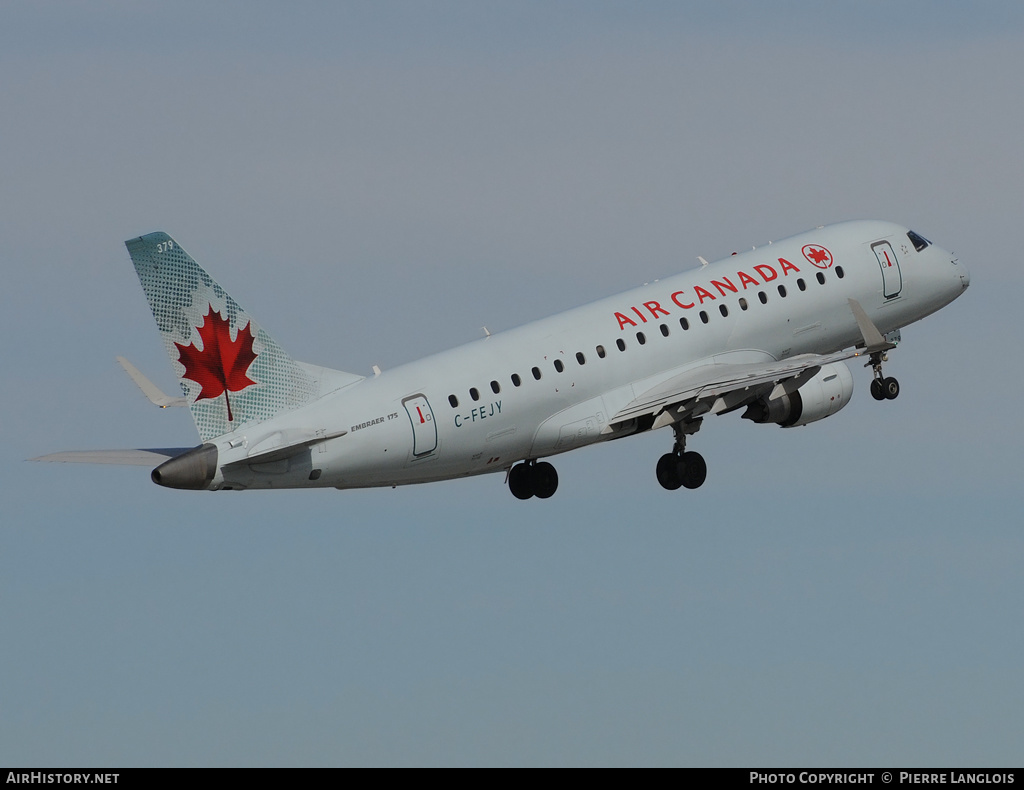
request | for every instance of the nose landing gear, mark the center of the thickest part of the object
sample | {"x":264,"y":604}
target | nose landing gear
{"x":882,"y":387}
{"x":679,"y":468}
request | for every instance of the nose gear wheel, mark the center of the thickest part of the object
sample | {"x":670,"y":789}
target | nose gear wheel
{"x":882,"y":387}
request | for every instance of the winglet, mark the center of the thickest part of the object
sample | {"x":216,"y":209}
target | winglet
{"x":149,"y":389}
{"x":873,"y":340}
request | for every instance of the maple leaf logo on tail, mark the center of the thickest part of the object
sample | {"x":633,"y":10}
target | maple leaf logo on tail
{"x":222,"y":365}
{"x":176,"y":288}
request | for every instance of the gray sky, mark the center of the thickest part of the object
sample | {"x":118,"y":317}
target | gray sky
{"x":376,"y":181}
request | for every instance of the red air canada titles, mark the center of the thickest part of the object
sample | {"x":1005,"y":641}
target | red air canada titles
{"x":688,"y":299}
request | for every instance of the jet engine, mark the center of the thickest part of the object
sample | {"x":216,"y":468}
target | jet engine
{"x":824,"y":394}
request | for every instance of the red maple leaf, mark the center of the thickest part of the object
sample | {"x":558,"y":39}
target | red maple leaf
{"x":818,"y":255}
{"x":222,"y":364}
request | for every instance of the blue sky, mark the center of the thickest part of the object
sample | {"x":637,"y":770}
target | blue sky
{"x":375,"y":182}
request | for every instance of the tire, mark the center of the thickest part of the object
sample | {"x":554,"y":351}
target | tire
{"x":520,"y":481}
{"x":545,"y":480}
{"x":693,"y":470}
{"x":668,"y":472}
{"x":877,"y":390}
{"x":891,"y":388}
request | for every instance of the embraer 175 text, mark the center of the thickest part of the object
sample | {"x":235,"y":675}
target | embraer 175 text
{"x":766,"y":331}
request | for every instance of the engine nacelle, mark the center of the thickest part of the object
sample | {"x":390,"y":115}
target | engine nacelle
{"x":824,"y":394}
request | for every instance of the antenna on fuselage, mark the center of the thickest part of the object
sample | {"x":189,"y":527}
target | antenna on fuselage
{"x":703,"y":262}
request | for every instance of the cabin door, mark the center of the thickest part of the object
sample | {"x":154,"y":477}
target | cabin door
{"x":892,"y":278}
{"x":424,"y":429}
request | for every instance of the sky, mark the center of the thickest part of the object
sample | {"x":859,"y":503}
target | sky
{"x":378,"y":181}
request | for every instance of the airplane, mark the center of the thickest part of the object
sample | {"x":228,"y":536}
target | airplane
{"x":768,"y":331}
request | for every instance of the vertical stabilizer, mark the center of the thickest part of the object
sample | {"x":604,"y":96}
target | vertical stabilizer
{"x":230,"y":370}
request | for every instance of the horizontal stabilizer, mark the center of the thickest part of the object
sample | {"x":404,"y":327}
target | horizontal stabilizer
{"x":145,"y":457}
{"x":149,"y":389}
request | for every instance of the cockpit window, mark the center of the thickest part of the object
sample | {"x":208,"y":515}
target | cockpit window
{"x":919,"y":241}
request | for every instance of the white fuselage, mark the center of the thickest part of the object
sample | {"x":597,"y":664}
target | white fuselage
{"x":481,"y":407}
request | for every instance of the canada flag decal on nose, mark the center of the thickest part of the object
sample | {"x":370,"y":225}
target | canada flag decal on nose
{"x":222,"y":365}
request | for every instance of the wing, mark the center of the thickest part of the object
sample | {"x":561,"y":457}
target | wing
{"x":720,"y":385}
{"x":717,"y":387}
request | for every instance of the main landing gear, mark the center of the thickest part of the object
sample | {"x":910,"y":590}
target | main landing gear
{"x":882,"y":388}
{"x":530,"y":479}
{"x":680,"y":468}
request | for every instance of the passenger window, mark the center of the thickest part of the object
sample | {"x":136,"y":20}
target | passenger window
{"x":516,"y":381}
{"x":684,"y":324}
{"x":495,"y":387}
{"x":840,"y":273}
{"x":723,"y":310}
{"x":536,"y":373}
{"x":620,"y":344}
{"x":474,"y":393}
{"x":782,"y":291}
{"x":580,"y":358}
{"x":821,"y":278}
{"x":703,"y":316}
{"x":743,"y":303}
{"x":664,"y":329}
{"x":763,"y":297}
{"x":453,"y":401}
{"x":600,"y":351}
{"x":801,"y":284}
{"x":640,"y":338}
{"x":559,"y":366}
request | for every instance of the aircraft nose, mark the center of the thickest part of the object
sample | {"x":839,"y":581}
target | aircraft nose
{"x":960,"y":270}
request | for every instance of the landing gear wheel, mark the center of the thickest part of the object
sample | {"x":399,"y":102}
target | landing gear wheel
{"x":545,"y":480}
{"x":882,"y":388}
{"x":520,"y":481}
{"x":668,"y":472}
{"x":679,"y":468}
{"x":693,"y":470}
{"x":527,"y":480}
